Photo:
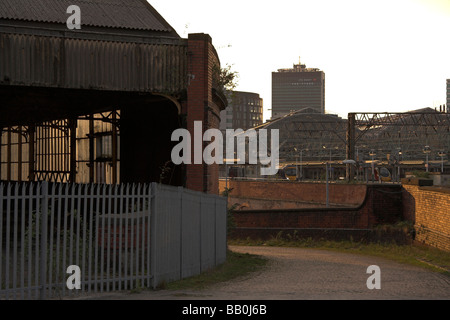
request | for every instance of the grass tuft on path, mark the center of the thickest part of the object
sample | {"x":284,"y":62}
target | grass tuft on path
{"x":236,"y":265}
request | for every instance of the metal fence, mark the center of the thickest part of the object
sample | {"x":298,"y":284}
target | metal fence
{"x":122,"y":237}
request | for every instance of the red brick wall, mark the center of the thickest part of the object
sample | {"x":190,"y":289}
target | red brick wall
{"x":268,"y":204}
{"x":200,"y":107}
{"x":382,"y":204}
{"x":346,"y":194}
{"x":212,"y":114}
{"x":429,"y":209}
{"x":303,"y":218}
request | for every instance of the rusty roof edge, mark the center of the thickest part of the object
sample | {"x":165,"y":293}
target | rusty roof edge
{"x":89,"y":25}
{"x":90,"y":33}
{"x":159,"y":17}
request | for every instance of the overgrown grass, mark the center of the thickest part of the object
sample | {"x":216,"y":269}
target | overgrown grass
{"x":413,"y":254}
{"x":421,"y":174}
{"x":236,"y":265}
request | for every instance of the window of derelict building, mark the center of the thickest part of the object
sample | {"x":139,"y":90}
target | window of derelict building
{"x":81,"y":150}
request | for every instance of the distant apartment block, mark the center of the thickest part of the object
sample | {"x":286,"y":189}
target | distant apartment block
{"x":244,"y":111}
{"x":297,"y":88}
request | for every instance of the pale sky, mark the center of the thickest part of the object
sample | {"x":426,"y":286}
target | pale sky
{"x":378,"y":56}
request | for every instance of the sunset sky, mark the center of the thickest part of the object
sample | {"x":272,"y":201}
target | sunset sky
{"x":377,"y":55}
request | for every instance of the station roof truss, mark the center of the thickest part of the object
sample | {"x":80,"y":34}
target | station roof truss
{"x":391,"y":136}
{"x":403,"y":135}
{"x":316,"y":136}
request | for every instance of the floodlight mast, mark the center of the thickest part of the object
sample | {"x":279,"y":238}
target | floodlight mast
{"x":427,"y":151}
{"x":442,"y":155}
{"x":349,"y":170}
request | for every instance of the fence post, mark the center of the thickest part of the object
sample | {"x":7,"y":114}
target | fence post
{"x":215,"y":231}
{"x":153,"y":241}
{"x":180,"y":198}
{"x":44,"y":226}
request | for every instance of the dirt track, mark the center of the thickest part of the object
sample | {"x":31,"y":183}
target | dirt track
{"x":304,"y":274}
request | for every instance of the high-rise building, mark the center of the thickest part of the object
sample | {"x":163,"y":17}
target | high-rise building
{"x":448,"y":95}
{"x":297,"y":88}
{"x":244,"y":111}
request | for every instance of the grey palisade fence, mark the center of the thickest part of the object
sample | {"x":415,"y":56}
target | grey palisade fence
{"x":121,"y":237}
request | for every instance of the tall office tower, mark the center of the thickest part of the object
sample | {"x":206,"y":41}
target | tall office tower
{"x":297,"y":88}
{"x":448,"y":95}
{"x":244,"y":111}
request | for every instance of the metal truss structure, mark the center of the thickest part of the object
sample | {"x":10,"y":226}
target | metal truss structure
{"x":400,"y":134}
{"x":314,"y":136}
{"x":388,"y":137}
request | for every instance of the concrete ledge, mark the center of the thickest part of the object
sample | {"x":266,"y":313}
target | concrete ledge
{"x":417,"y":181}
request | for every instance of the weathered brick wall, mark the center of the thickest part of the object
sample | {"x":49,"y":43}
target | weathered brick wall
{"x":429,"y":209}
{"x":196,"y":96}
{"x":382,"y":204}
{"x":212,"y":114}
{"x":347,"y":194}
{"x":303,"y":218}
{"x":247,"y":203}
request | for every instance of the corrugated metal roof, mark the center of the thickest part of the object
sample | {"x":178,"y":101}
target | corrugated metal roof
{"x":89,"y":64}
{"x":127,"y":14}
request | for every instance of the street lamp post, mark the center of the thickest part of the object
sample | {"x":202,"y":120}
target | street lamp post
{"x":296,"y":164}
{"x":357,"y":167}
{"x":301,"y":168}
{"x":427,"y":151}
{"x":372,"y":155}
{"x":226,"y":175}
{"x":299,"y":173}
{"x":327,"y":187}
{"x":226,"y":161}
{"x":442,"y":155}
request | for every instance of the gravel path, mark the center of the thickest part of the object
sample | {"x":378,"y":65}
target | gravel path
{"x":304,"y":274}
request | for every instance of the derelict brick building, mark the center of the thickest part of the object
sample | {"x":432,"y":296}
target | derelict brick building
{"x":99,"y":104}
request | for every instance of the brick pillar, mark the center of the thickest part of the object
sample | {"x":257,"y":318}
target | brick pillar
{"x":202,"y":106}
{"x":199,"y":97}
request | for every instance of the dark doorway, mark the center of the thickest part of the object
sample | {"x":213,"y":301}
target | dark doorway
{"x":146,"y":145}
